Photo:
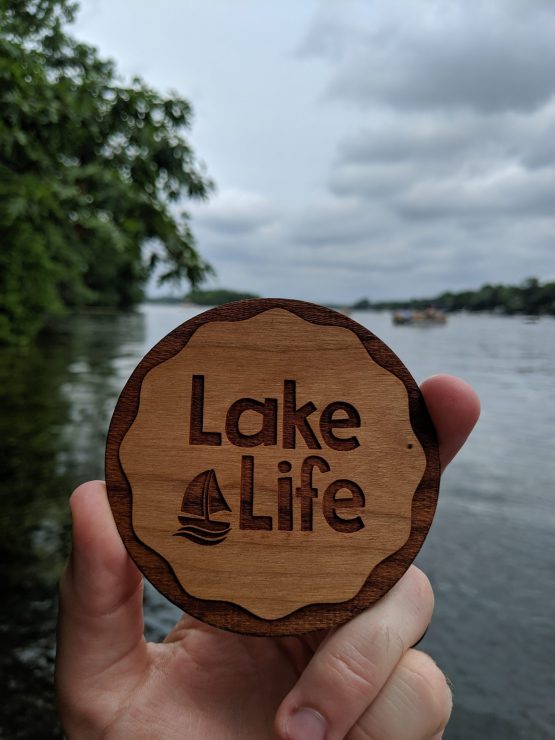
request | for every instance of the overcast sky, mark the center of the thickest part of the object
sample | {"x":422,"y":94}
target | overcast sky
{"x":359,"y":147}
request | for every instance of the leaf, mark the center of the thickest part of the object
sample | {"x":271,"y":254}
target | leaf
{"x":90,"y":169}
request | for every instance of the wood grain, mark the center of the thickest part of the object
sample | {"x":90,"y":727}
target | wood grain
{"x":315,"y":438}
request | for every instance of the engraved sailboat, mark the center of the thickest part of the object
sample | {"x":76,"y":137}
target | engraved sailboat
{"x":203,"y":498}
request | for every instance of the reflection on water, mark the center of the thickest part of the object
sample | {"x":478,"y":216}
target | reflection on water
{"x":490,"y":553}
{"x":56,"y":399}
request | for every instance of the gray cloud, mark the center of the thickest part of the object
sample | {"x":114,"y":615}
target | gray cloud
{"x":236,"y":213}
{"x":475,"y":166}
{"x":493,"y":56}
{"x":528,"y":138}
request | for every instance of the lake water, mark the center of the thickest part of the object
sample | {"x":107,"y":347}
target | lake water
{"x":490,"y":553}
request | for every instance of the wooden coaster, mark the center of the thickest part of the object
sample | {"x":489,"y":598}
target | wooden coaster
{"x":271,"y":467}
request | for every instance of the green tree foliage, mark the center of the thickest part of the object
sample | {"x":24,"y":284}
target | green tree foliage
{"x":216,"y":297}
{"x":363,"y":305}
{"x":92,"y":173}
{"x":530,"y":297}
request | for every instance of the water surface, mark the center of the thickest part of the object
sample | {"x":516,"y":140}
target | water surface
{"x":490,"y":553}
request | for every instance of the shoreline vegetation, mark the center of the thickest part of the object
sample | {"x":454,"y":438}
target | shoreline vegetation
{"x":529,"y":298}
{"x":96,"y":173}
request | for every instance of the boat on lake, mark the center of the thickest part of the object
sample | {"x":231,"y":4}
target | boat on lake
{"x":430,"y":316}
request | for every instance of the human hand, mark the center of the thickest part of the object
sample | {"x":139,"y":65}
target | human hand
{"x":360,"y":680}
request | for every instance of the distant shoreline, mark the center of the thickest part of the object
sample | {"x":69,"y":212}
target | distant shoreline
{"x":530,"y":298}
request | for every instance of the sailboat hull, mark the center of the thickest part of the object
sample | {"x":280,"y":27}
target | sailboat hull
{"x":203,"y":533}
{"x":206,"y":525}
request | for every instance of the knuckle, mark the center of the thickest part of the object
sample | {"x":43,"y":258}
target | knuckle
{"x":355,"y":669}
{"x":429,"y":685}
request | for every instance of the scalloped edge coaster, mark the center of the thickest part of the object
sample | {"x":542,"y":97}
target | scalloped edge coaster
{"x":271,"y":467}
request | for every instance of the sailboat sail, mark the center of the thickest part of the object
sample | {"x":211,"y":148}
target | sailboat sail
{"x":194,"y":498}
{"x":216,"y":501}
{"x":202,"y":498}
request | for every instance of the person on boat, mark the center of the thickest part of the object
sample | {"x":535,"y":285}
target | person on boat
{"x":360,"y":680}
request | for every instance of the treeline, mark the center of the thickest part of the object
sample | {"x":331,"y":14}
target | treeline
{"x":530,"y":297}
{"x":216,"y":297}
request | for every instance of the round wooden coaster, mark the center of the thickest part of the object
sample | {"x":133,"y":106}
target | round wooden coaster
{"x":271,"y":467}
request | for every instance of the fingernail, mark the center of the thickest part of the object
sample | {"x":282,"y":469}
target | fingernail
{"x":306,"y":724}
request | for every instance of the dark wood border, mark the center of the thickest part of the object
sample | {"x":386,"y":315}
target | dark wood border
{"x":230,"y":616}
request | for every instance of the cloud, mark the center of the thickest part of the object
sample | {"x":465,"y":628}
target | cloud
{"x":235,"y":213}
{"x":447,"y":139}
{"x":494,"y":56}
{"x":496,"y":165}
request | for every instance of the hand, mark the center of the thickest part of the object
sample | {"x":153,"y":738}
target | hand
{"x":361,"y":680}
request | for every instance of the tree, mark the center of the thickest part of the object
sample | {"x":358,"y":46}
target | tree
{"x":362,"y":305}
{"x":217,"y":296}
{"x":530,"y":297}
{"x":92,"y":172}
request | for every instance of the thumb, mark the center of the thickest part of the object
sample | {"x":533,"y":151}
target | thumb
{"x":100,"y":622}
